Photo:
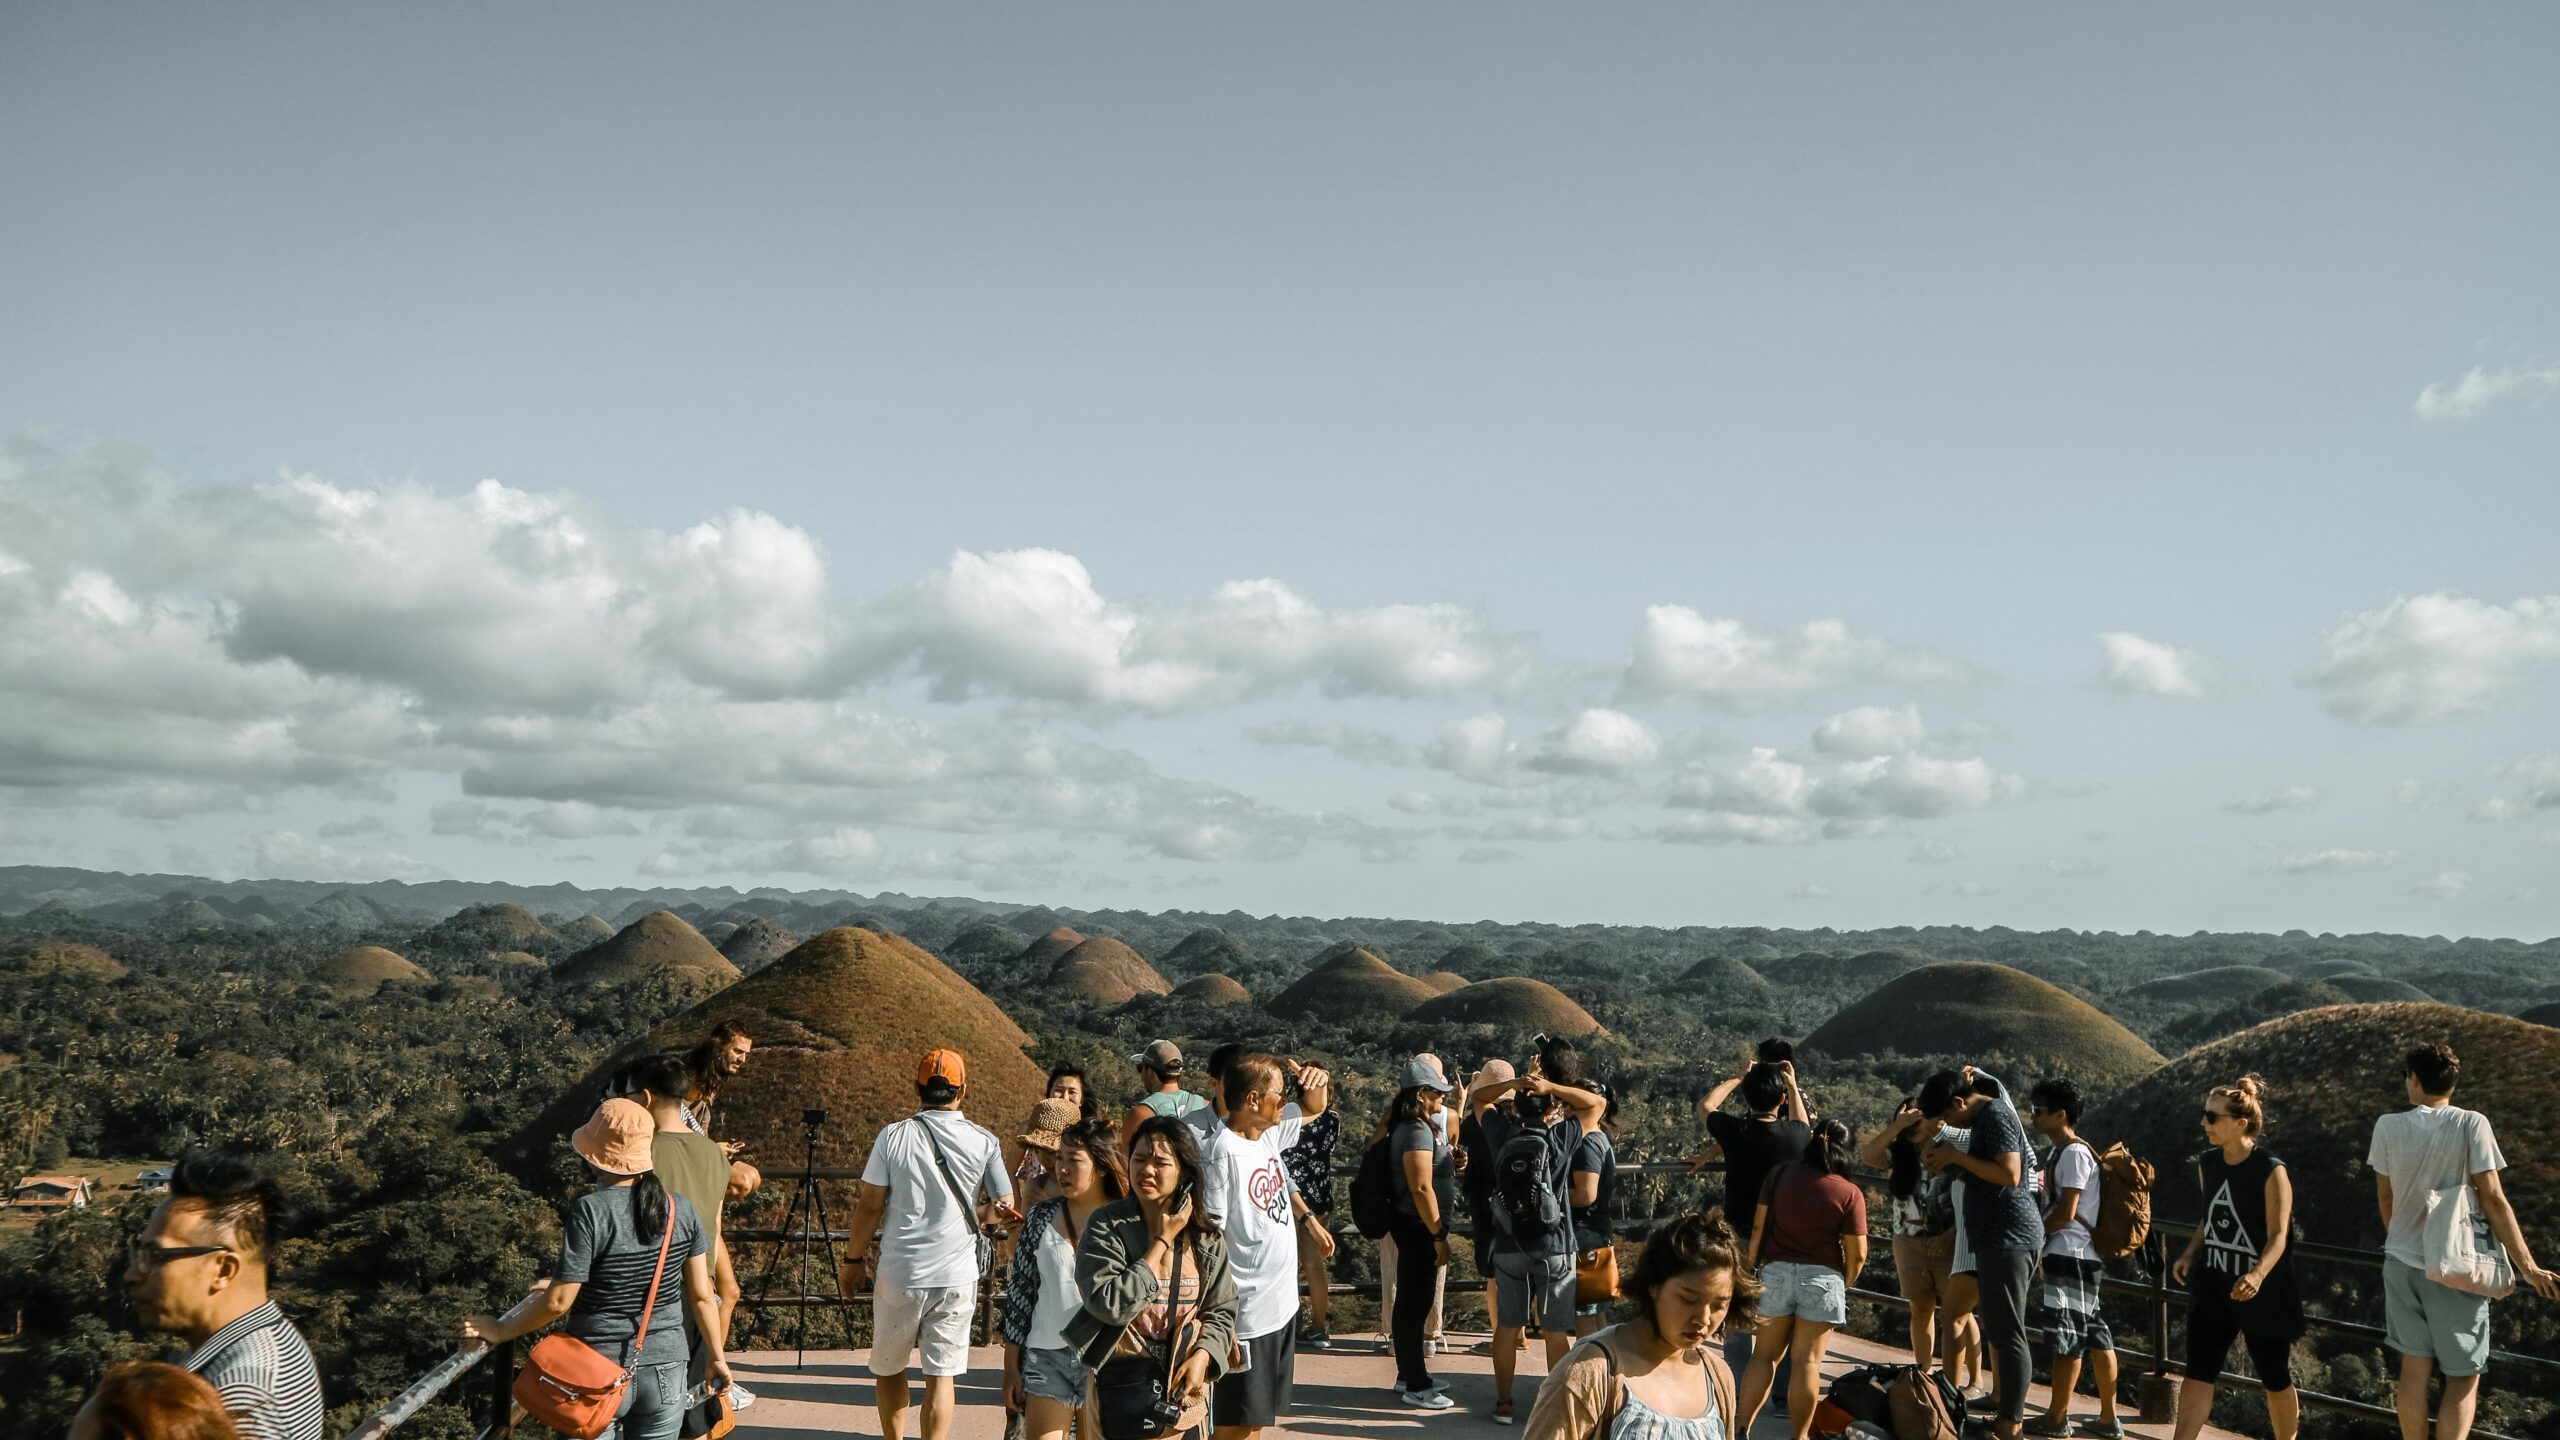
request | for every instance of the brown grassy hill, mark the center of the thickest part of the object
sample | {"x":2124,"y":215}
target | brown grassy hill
{"x":1724,"y":971}
{"x":2267,"y":1004}
{"x":839,"y":1024}
{"x":1445,"y":981}
{"x":1209,"y":951}
{"x":2330,"y":1072}
{"x":1860,"y":971}
{"x":2220,"y":985}
{"x":1352,"y":985}
{"x":657,"y":943}
{"x":587,"y":930}
{"x":756,"y":944}
{"x":1105,"y":972}
{"x":63,"y":957}
{"x":367,"y":966}
{"x":517,"y":957}
{"x":1050,"y":948}
{"x":489,"y":927}
{"x":2543,"y":1015}
{"x":2325,"y":969}
{"x":1513,"y":1002}
{"x":1213,"y":990}
{"x":1992,"y":1012}
{"x":2371,"y":989}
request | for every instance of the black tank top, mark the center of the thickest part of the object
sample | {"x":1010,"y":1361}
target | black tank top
{"x":2235,"y":1235}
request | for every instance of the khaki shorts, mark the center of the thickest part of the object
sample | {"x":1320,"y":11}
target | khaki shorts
{"x":1924,"y":1265}
{"x":932,"y":1324}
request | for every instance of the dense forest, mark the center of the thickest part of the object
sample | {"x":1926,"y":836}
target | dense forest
{"x":400,"y":1051}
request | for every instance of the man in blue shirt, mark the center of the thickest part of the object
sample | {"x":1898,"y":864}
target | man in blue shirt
{"x":2000,"y":1217}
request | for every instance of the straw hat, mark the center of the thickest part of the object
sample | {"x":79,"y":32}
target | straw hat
{"x":1049,"y":1122}
{"x":617,"y":1138}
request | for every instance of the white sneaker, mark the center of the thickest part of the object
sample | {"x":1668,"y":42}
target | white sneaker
{"x":740,"y":1397}
{"x":1432,"y":1399}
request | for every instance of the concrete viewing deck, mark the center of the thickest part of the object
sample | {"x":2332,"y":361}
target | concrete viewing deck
{"x":1343,"y":1392}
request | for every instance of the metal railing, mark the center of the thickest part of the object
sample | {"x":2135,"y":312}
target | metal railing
{"x":497,"y":1397}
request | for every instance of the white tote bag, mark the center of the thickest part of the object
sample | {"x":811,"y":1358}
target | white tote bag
{"x":2462,"y":1253}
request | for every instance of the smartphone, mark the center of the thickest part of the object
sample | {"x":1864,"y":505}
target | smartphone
{"x":1180,"y":1197}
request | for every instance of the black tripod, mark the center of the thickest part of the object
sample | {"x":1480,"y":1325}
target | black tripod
{"x":804,"y":1228}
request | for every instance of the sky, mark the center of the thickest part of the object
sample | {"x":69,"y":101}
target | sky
{"x":1665,"y":464}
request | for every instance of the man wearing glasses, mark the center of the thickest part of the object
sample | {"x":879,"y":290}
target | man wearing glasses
{"x":199,"y":1272}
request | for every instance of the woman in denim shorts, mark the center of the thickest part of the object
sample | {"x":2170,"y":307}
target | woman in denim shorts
{"x":1043,"y":1376}
{"x":1809,"y":1245}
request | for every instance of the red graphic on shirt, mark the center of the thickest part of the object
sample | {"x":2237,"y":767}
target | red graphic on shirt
{"x":1268,"y":1191}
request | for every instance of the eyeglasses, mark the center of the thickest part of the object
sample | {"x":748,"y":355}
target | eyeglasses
{"x":2212,"y":1115}
{"x":147,"y":1255}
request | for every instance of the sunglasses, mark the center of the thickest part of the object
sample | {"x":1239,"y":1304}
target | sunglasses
{"x":148,"y":1256}
{"x":2212,"y":1115}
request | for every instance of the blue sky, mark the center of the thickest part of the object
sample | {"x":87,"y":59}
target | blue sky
{"x":1345,"y":460}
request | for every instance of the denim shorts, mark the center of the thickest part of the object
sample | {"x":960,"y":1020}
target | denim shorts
{"x":1807,"y":1292}
{"x":1054,"y":1375}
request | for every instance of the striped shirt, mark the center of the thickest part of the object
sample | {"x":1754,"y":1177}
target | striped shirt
{"x":602,"y":1253}
{"x":265,"y":1373}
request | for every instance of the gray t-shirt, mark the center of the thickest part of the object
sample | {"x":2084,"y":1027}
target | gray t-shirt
{"x":602,"y":1253}
{"x":1421,"y":1135}
{"x":2426,"y":1151}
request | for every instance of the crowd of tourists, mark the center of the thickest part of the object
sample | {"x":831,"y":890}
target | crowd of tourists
{"x":1164,"y":1267}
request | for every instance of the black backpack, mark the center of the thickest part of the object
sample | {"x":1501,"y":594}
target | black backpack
{"x":1526,"y":1206}
{"x":1373,"y":1192}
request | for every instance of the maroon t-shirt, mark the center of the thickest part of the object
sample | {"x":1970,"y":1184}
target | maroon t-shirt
{"x":1808,"y":1213}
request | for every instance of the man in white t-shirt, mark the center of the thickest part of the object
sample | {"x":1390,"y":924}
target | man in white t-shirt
{"x":1244,"y":1186}
{"x":2419,"y":1155}
{"x":2073,"y":1320}
{"x":923,"y":1179}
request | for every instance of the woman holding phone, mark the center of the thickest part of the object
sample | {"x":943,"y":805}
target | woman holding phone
{"x":1153,"y":1269}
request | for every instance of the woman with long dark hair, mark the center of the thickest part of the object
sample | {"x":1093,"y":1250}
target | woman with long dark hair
{"x":611,"y":1242}
{"x":1044,"y":1378}
{"x":1924,"y":1244}
{"x":1658,"y":1375}
{"x":1808,"y":1247}
{"x":1067,"y":1082}
{"x":1153,"y":1270}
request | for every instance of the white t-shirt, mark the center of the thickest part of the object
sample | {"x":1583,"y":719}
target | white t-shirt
{"x":928,"y":1240}
{"x":2075,"y":1167}
{"x":1245,"y":1188}
{"x":2420,"y":1150}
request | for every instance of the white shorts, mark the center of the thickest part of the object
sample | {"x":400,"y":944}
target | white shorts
{"x":933,"y":1321}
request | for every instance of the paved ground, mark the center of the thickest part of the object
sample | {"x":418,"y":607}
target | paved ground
{"x":1343,"y":1392}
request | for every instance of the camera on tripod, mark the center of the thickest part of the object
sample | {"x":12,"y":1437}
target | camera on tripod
{"x":813,"y":1118}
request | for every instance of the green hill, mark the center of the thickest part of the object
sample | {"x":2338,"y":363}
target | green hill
{"x":2000,"y":1015}
{"x":2221,"y":985}
{"x":1513,"y":1002}
{"x":656,"y":944}
{"x":1354,"y":985}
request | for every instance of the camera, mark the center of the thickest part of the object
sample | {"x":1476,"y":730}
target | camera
{"x":1774,"y":1051}
{"x":1164,"y":1417}
{"x":813,"y":1118}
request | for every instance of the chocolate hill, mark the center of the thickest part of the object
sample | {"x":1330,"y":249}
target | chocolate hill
{"x":489,"y":927}
{"x":1445,"y":981}
{"x":2367,"y":988}
{"x":2543,"y":1015}
{"x":365,"y":967}
{"x":62,"y":957}
{"x":1213,"y":951}
{"x":839,"y":1024}
{"x":2275,"y":1000}
{"x":2330,"y":1072}
{"x":1213,"y":990}
{"x":1049,"y":949}
{"x":1992,"y":1012}
{"x":2220,"y":985}
{"x":1106,"y":972}
{"x":517,"y":957}
{"x":756,"y":944}
{"x":1857,"y":972}
{"x":587,"y":930}
{"x":656,"y":944}
{"x":1353,"y":985}
{"x":1512,"y":1002}
{"x":1727,"y":973}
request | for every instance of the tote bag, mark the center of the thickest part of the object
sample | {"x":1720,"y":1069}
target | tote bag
{"x":2462,"y":1253}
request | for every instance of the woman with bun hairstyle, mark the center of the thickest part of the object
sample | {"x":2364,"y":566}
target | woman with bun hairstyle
{"x":1658,"y":1375}
{"x":2238,"y":1266}
{"x":1807,"y":1249}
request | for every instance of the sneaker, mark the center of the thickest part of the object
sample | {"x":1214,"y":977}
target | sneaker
{"x":1981,"y":1403}
{"x":1314,"y":1337}
{"x":1503,"y":1411}
{"x":1434,"y":1398}
{"x":2052,"y":1426}
{"x":740,"y":1397}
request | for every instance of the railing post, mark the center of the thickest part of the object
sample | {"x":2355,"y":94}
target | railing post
{"x":502,"y":1390}
{"x":2157,"y":1399}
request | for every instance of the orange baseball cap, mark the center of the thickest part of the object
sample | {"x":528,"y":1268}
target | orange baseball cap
{"x":943,"y":1067}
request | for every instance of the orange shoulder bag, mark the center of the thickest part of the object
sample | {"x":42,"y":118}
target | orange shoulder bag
{"x":567,"y":1383}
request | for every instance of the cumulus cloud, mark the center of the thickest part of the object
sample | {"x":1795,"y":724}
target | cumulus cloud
{"x":2445,"y":885}
{"x":2420,"y":794}
{"x":1738,"y":665}
{"x":576,"y":820}
{"x":2329,"y":862}
{"x":2131,"y":664}
{"x":2266,"y":802}
{"x":1598,"y":742}
{"x":1870,"y":730}
{"x":2434,"y":657}
{"x":2538,"y":780}
{"x":2479,"y":389}
{"x":286,"y":855}
{"x":1349,"y":742}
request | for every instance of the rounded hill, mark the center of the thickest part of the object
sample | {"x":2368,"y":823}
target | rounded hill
{"x":1991,"y":1012}
{"x":2330,"y":1072}
{"x":489,"y":927}
{"x":587,"y":930}
{"x":64,"y":957}
{"x":1858,"y":972}
{"x":756,"y":944}
{"x":657,"y":944}
{"x":1353,"y":985}
{"x":1724,"y":971}
{"x":1213,"y":990}
{"x":2367,"y":988}
{"x":1049,"y":949}
{"x":2218,"y":986}
{"x":1512,"y":1002}
{"x":1212,"y":951}
{"x":1105,"y":972}
{"x":839,"y":1024}
{"x":2547,"y":1014}
{"x":1444,"y":981}
{"x":367,"y":966}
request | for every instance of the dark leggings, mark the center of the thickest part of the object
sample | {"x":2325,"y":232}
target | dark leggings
{"x":1417,"y":1274}
{"x":2211,"y":1327}
{"x":2003,"y":1278}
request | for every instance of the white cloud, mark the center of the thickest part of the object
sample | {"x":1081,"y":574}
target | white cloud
{"x":2501,"y":807}
{"x":1476,"y":748}
{"x":1813,"y":892}
{"x":1972,"y":888}
{"x":1349,"y":742}
{"x":1913,"y":787}
{"x":2480,"y":388}
{"x":2446,"y":885}
{"x":2428,"y":658}
{"x":1870,"y":730}
{"x":2420,"y":794}
{"x":1724,"y":827}
{"x":1761,"y":785}
{"x":576,"y":820}
{"x":2131,"y":664}
{"x":464,"y":817}
{"x":1935,"y":852}
{"x":1598,"y":742}
{"x":285,"y":855}
{"x":1680,"y":652}
{"x":1545,"y":829}
{"x":842,"y":852}
{"x":2326,"y":862}
{"x":2264,"y":802}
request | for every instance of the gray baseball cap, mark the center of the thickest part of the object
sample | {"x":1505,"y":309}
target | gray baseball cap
{"x":1162,"y":1056}
{"x":1424,"y":1073}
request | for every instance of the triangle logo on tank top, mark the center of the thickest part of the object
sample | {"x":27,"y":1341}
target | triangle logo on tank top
{"x":2227,"y":1250}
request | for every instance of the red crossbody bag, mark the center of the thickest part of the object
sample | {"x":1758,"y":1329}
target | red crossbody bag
{"x":567,"y":1383}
